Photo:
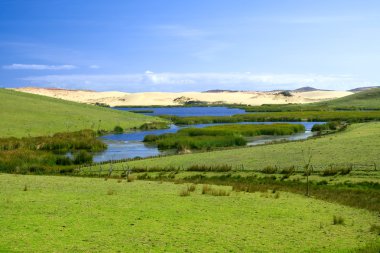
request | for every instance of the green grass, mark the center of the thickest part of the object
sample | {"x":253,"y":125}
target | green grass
{"x":350,"y":116}
{"x":25,"y":114}
{"x":359,"y":144}
{"x":64,"y":214}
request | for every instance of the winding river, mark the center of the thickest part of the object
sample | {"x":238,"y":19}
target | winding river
{"x":130,"y":145}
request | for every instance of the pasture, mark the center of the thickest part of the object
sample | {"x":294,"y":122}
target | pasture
{"x":68,"y":214}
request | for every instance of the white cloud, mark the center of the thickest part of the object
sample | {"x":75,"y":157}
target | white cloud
{"x":94,"y":66}
{"x":169,"y":81}
{"x":38,"y":67}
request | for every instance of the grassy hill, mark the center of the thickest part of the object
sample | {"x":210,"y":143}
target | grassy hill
{"x":367,"y":99}
{"x":360,"y":143}
{"x":25,"y":114}
{"x":72,"y":214}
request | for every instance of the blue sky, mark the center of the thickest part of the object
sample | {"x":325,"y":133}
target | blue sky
{"x":168,"y":45}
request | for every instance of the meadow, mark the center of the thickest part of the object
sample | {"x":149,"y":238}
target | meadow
{"x":24,"y":115}
{"x":68,"y":214}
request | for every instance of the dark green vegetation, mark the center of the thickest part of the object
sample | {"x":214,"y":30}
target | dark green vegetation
{"x":364,"y":100}
{"x":47,"y":154}
{"x":154,"y":125}
{"x":349,"y":116}
{"x":329,"y":126}
{"x":141,"y":111}
{"x":23,"y":114}
{"x":219,"y":136}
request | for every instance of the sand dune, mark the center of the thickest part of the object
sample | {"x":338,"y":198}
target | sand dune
{"x":116,"y":98}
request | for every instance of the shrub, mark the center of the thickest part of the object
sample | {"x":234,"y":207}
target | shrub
{"x":288,"y":171}
{"x":269,"y":170}
{"x":64,"y":160}
{"x":82,"y":157}
{"x":332,"y":171}
{"x":118,"y":129}
{"x":338,"y":220}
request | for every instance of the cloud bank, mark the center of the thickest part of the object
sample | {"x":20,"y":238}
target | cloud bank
{"x":38,"y":67}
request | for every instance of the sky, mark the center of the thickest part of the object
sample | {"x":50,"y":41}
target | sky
{"x":197,"y":45}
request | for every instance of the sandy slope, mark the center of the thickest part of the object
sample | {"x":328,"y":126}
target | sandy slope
{"x":115,"y":98}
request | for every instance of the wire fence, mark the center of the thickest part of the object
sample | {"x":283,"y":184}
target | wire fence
{"x":123,"y":169}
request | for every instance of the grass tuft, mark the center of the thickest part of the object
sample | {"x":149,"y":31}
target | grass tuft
{"x":338,"y":220}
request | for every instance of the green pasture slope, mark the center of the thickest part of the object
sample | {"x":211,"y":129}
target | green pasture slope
{"x":72,"y":214}
{"x":359,"y":144}
{"x":23,"y":114}
{"x":368,"y":99}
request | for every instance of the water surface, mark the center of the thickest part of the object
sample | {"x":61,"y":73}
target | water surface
{"x":130,"y":145}
{"x":187,"y":111}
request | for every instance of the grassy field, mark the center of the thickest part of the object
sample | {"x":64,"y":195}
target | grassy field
{"x":65,"y":214}
{"x":25,"y":114}
{"x":359,"y":144}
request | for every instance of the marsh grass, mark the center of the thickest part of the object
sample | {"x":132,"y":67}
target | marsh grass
{"x":209,"y":190}
{"x":332,"y":171}
{"x":131,"y":178}
{"x":184,"y":192}
{"x":218,"y":136}
{"x":349,"y":116}
{"x":375,"y":228}
{"x":338,"y":220}
{"x":111,"y":192}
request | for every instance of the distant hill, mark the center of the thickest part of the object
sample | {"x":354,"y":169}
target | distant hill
{"x":307,"y":89}
{"x":219,"y":91}
{"x":364,"y":88}
{"x":24,"y":114}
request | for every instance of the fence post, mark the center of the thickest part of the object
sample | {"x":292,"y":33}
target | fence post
{"x":374,"y":165}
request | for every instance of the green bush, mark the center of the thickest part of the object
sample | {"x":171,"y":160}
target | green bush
{"x":82,"y":157}
{"x":118,"y":130}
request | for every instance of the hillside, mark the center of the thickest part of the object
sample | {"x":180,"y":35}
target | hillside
{"x":24,"y":114}
{"x":366,"y":99}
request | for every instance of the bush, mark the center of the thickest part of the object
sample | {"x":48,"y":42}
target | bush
{"x":269,"y":170}
{"x":64,"y":160}
{"x":118,"y":130}
{"x":82,"y":157}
